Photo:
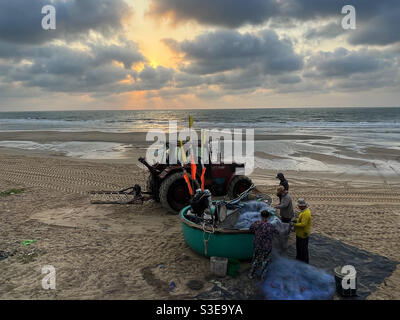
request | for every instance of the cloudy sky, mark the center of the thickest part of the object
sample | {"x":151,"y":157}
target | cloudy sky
{"x":145,"y":54}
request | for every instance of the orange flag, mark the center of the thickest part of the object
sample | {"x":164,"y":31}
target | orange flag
{"x":202,"y":178}
{"x":188,"y":183}
{"x":193,"y":167}
{"x":185,"y":176}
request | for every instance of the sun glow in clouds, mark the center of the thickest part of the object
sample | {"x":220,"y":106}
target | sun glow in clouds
{"x":199,"y":54}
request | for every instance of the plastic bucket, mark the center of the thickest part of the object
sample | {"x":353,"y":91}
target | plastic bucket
{"x":339,"y":276}
{"x":218,"y":266}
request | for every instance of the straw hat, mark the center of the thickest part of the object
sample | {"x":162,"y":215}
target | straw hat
{"x":301,"y":202}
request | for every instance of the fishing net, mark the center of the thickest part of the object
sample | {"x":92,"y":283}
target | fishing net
{"x":281,"y":235}
{"x":251,"y":212}
{"x":289,"y":279}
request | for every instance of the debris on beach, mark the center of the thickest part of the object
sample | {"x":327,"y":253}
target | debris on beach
{"x":7,"y":253}
{"x":195,"y":285}
{"x":217,"y":283}
{"x":11,"y":192}
{"x":236,"y":292}
{"x":172,"y":286}
{"x":21,"y":253}
{"x":229,"y":288}
{"x":4,"y":255}
{"x":29,"y":254}
{"x":27,"y":242}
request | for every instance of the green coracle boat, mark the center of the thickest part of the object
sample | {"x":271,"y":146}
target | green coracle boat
{"x":219,"y":242}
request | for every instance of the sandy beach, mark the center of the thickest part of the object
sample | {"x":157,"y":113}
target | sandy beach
{"x":136,"y":251}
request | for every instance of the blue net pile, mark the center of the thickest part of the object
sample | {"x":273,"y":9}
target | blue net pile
{"x":289,"y":279}
{"x":251,"y":212}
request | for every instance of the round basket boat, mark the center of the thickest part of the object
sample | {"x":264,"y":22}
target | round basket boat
{"x":220,"y":242}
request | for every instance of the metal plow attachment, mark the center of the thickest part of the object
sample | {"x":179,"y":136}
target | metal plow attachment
{"x":132,"y":195}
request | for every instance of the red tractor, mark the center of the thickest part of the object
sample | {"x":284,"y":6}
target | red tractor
{"x":167,"y":185}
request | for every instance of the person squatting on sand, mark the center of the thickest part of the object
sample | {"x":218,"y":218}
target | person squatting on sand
{"x":285,"y":206}
{"x":302,"y":226}
{"x":263,"y":231}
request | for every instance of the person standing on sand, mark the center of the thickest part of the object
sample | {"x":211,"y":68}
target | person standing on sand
{"x":302,"y":226}
{"x":285,"y":206}
{"x":283,"y":182}
{"x":263,"y":231}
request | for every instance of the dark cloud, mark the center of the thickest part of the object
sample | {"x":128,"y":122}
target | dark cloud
{"x":386,"y":78}
{"x":382,"y":29}
{"x":235,"y":81}
{"x":58,"y":68}
{"x":215,"y":64}
{"x":153,"y":78}
{"x":342,"y":62}
{"x":323,"y":72}
{"x":378,"y":21}
{"x":315,"y":9}
{"x":128,"y":54}
{"x":347,"y":71}
{"x":229,"y":62}
{"x":31,"y":60}
{"x":289,"y":79}
{"x":235,"y":13}
{"x":225,"y":50}
{"x":229,"y":13}
{"x":185,"y":80}
{"x":21,"y":20}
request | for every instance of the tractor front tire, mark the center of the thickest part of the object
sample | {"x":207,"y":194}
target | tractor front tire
{"x":238,"y":185}
{"x":174,"y":192}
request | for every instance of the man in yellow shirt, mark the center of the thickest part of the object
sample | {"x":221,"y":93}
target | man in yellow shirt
{"x":302,"y":226}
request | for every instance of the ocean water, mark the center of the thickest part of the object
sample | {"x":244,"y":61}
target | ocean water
{"x":349,"y":132}
{"x":301,"y":120}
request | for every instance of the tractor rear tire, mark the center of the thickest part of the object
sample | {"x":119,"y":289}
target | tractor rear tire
{"x":150,"y":185}
{"x":174,"y":193}
{"x":238,"y":185}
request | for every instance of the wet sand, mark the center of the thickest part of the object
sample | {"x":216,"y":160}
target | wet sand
{"x":131,"y":137}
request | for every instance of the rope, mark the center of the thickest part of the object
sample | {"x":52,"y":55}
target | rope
{"x":205,"y":240}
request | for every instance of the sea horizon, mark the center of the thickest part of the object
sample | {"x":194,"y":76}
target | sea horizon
{"x":200,"y":109}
